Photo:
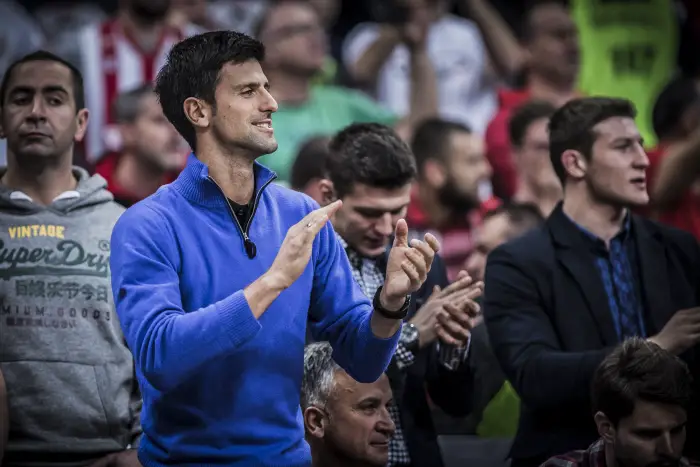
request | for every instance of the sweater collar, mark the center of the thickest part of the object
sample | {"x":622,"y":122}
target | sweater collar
{"x":196,"y":186}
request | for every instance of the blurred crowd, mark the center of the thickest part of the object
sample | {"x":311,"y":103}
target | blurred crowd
{"x":467,"y":89}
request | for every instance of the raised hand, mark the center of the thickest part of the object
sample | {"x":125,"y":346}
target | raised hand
{"x":296,"y":248}
{"x":407,"y":267}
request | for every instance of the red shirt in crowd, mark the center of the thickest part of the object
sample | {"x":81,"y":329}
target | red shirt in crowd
{"x":498,"y":150}
{"x":456,"y":241}
{"x":685,"y":214}
{"x":107,"y":168}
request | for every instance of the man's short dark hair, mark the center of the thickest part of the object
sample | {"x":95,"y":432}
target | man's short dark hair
{"x":193,"y":69}
{"x":44,"y":56}
{"x":431,"y":139}
{"x":371,"y":154}
{"x":310,"y":162}
{"x":527,"y":28}
{"x":521,"y":216}
{"x":676,"y":97}
{"x":525,"y":115}
{"x":639,"y":370}
{"x":571,"y":126}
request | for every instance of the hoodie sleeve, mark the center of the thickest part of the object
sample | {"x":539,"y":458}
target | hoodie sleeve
{"x":341,"y":314}
{"x":168,"y":344}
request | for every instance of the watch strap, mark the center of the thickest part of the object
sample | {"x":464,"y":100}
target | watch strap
{"x":398,"y":315}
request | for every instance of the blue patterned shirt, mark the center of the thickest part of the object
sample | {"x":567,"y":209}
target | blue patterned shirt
{"x":619,"y":272}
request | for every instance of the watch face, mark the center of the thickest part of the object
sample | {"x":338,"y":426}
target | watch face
{"x":409,"y":334}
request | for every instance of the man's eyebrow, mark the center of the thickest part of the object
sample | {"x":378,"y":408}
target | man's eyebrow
{"x":252,"y":84}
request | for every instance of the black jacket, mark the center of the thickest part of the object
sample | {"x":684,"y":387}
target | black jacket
{"x":550,"y":324}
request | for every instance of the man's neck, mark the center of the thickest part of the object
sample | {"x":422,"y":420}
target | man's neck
{"x":545,"y":200}
{"x":324,"y":458}
{"x":602,"y":220}
{"x":288,"y":88}
{"x":138,"y":177}
{"x":553,"y":91}
{"x":146,"y":36}
{"x":233,"y":172}
{"x":42,"y":182}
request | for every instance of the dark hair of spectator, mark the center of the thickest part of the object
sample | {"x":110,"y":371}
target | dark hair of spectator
{"x":310,"y":162}
{"x":571,"y":126}
{"x":525,"y":115}
{"x":676,"y":97}
{"x":431,"y":139}
{"x":527,"y":29}
{"x":44,"y":56}
{"x":371,"y":154}
{"x":128,"y":105}
{"x":193,"y":69}
{"x":639,"y":370}
{"x":522,"y":216}
{"x":259,"y":26}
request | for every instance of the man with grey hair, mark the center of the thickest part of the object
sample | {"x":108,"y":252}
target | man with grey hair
{"x":151,"y":151}
{"x":347,"y":423}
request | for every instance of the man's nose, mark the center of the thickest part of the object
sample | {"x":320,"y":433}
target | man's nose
{"x":269,"y":104}
{"x":38,"y":110}
{"x":384,"y":225}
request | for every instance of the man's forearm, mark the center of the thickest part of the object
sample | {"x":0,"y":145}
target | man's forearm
{"x":366,"y":69}
{"x":383,"y":327}
{"x":424,"y":96}
{"x":261,"y":293}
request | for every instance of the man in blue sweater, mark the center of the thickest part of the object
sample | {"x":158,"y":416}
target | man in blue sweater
{"x":213,"y":276}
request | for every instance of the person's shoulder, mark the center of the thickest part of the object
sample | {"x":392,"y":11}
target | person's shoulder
{"x":527,"y":247}
{"x":666,"y":234}
{"x":291,"y":201}
{"x":331,"y":92}
{"x":150,"y":213}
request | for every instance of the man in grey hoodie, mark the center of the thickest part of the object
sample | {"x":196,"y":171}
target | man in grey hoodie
{"x":72,"y":395}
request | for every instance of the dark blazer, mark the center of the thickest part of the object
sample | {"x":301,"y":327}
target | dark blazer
{"x":449,"y":390}
{"x":550,"y":325}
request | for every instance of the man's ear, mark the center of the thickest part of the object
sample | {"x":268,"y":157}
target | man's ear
{"x":606,"y":429}
{"x":315,"y":422}
{"x":327,"y":192}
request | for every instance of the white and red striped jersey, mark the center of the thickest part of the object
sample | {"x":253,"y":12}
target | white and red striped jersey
{"x":111,"y":63}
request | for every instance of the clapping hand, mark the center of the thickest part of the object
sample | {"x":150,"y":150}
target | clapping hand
{"x":459,"y":313}
{"x":407,"y":267}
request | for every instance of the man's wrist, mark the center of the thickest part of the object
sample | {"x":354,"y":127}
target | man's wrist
{"x":274,"y":281}
{"x":393,"y":305}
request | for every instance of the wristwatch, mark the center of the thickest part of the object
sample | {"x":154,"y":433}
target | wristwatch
{"x":410,"y":337}
{"x":399,"y":314}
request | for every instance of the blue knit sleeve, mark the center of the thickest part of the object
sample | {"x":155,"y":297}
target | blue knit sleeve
{"x":340,"y":313}
{"x":168,"y":344}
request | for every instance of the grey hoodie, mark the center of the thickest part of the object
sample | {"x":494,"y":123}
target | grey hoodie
{"x":72,"y":393}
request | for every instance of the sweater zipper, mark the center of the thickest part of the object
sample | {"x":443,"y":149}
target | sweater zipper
{"x":250,"y":248}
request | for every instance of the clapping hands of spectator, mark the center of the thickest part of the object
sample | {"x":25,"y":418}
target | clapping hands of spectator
{"x":450,"y":313}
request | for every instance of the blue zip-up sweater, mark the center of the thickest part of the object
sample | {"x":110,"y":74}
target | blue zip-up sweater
{"x":219,"y":386}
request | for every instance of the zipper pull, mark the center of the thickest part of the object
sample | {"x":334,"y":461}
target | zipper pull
{"x":250,"y":248}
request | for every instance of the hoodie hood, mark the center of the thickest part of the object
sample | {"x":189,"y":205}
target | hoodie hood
{"x":90,"y":192}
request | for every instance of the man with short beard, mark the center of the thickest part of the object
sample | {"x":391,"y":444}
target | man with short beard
{"x":640,"y":396}
{"x":117,"y":55}
{"x":152,"y":153}
{"x":452,"y":187}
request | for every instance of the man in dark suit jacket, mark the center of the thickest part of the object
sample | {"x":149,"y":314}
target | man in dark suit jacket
{"x":371,"y":169}
{"x":560,"y":298}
